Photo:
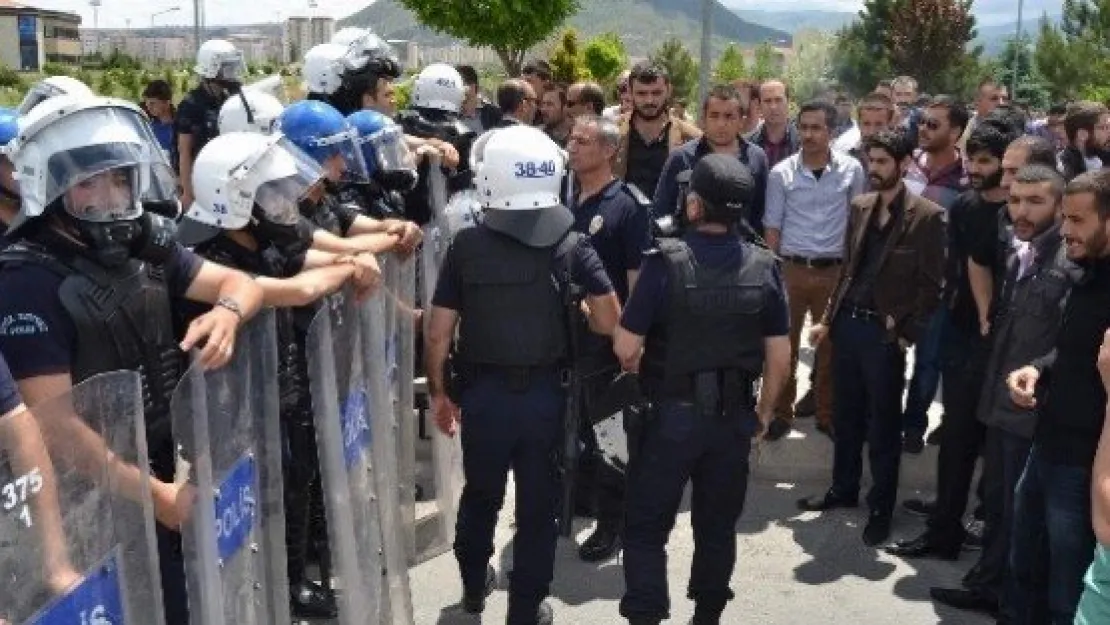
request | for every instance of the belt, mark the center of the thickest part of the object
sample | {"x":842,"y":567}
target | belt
{"x":865,"y":314}
{"x":812,"y":263}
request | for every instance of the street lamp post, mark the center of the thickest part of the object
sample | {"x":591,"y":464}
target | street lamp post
{"x":1019,"y":52}
{"x":162,"y":12}
{"x":706,"y":32}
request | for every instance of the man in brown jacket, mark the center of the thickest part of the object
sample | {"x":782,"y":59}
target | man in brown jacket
{"x":889,"y":286}
{"x":649,"y":132}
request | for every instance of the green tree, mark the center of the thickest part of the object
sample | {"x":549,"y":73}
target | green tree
{"x":567,"y":64}
{"x":605,"y":57}
{"x":106,"y":86}
{"x":1017,"y":58}
{"x":765,"y":66}
{"x":1075,"y":56}
{"x":128,"y":80}
{"x":730,"y":65}
{"x":929,"y":40}
{"x":811,"y":68}
{"x":509,"y":27}
{"x":680,"y":65}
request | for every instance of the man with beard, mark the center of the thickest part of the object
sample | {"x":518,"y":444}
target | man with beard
{"x":1052,"y":501}
{"x":987,"y":267}
{"x":723,"y":114}
{"x":938,"y":175}
{"x":972,"y":218}
{"x":649,"y":133}
{"x":808,"y":197}
{"x":553,"y":106}
{"x":1087,"y":126}
{"x":1026,"y":320}
{"x":885,"y":293}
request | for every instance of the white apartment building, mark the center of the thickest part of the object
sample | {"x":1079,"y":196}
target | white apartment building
{"x":299,"y":34}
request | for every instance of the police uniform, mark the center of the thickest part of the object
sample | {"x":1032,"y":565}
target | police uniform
{"x":198,"y":115}
{"x":616,"y":220}
{"x":508,"y":279}
{"x":705,"y":305}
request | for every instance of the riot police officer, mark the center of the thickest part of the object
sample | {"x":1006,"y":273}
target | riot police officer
{"x":52,"y":86}
{"x":221,"y":68}
{"x":708,"y":316}
{"x":87,"y":286}
{"x":506,"y":284}
{"x":324,"y":134}
{"x":391,"y":168}
{"x":246,"y":216}
{"x":252,"y":111}
{"x":9,"y":194}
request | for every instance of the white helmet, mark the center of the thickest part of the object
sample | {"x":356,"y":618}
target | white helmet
{"x":69,"y":139}
{"x":363,"y":42}
{"x":325,"y":65}
{"x":218,"y":59}
{"x":50,"y":87}
{"x":440,"y":87}
{"x":238,"y":171}
{"x":519,"y":173}
{"x":250,"y":111}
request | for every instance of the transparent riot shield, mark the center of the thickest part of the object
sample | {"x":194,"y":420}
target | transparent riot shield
{"x":385,"y":374}
{"x":341,"y":401}
{"x":77,"y":525}
{"x":446,"y":451}
{"x":226,"y":424}
{"x":400,"y":308}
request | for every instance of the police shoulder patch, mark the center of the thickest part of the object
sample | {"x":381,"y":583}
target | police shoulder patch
{"x":596,"y":224}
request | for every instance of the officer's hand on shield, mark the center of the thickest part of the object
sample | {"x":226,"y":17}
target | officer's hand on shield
{"x":173,"y":503}
{"x":216,"y":329}
{"x":411,"y":236}
{"x":446,"y":413}
{"x":449,"y":154}
{"x":368,"y":275}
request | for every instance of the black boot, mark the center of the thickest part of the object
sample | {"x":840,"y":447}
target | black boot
{"x":475,"y":602}
{"x":602,"y":544}
{"x":310,"y":600}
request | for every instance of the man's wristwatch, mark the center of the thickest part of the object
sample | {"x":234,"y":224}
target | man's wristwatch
{"x":232,"y":305}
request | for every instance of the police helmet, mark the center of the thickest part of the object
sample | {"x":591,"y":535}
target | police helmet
{"x":724,"y":186}
{"x":9,"y":124}
{"x":240,"y":172}
{"x":323,"y":133}
{"x":250,"y":111}
{"x":325,"y":66}
{"x":51,"y":87}
{"x":438,"y":87}
{"x":519,"y":172}
{"x":220,"y":60}
{"x":67,"y":140}
{"x":384,"y":150}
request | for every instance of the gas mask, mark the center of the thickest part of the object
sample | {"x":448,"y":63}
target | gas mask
{"x":399,"y":180}
{"x":289,"y":240}
{"x":148,"y":237}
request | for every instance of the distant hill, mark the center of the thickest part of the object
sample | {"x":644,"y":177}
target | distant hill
{"x":797,"y":21}
{"x":994,"y":36}
{"x":642,"y":24}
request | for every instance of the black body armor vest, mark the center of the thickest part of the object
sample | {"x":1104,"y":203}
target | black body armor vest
{"x":514,"y":300}
{"x":123,"y":321}
{"x":712,"y":321}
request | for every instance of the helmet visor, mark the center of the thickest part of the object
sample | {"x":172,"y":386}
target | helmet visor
{"x":292,"y":174}
{"x":38,"y":94}
{"x":392,"y":152}
{"x":232,"y":68}
{"x":104,"y":196}
{"x":345,"y":145}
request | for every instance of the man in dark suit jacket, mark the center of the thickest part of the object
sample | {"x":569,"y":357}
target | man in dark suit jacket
{"x":889,"y":285}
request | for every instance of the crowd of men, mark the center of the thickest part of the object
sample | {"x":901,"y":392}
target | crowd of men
{"x":617,"y":264}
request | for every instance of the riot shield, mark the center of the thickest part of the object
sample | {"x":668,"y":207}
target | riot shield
{"x":341,"y":400}
{"x":400,"y":306}
{"x":385,"y":381}
{"x":77,"y":531}
{"x":226,"y":424}
{"x":446,"y":451}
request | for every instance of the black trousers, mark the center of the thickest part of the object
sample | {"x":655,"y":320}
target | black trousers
{"x":962,"y":369}
{"x":1004,"y":457}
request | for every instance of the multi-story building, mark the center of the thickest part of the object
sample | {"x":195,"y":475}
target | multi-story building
{"x":457,"y":54}
{"x":31,"y":37}
{"x":257,"y":48}
{"x":299,"y":34}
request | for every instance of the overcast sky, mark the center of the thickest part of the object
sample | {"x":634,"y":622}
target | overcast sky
{"x":113,"y":13}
